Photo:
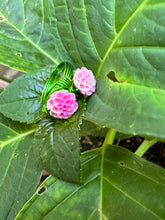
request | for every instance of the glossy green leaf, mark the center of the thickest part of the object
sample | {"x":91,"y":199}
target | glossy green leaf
{"x":135,"y":104}
{"x":131,"y":109}
{"x":57,"y":146}
{"x":21,"y":99}
{"x":116,"y":185}
{"x":28,"y":34}
{"x":126,"y":37}
{"x":89,"y":128}
{"x":19,"y":171}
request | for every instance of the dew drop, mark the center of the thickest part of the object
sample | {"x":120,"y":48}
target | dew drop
{"x":134,"y":30}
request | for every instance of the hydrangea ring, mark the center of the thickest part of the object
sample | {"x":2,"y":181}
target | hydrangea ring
{"x":58,"y":98}
{"x":62,"y":104}
{"x":60,"y":79}
{"x":84,"y":81}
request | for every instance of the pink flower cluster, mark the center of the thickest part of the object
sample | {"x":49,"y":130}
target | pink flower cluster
{"x":62,"y":104}
{"x":84,"y":81}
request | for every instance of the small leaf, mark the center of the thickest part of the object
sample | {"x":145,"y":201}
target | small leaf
{"x":21,"y":99}
{"x":116,"y":185}
{"x":57,"y":146}
{"x":19,"y":171}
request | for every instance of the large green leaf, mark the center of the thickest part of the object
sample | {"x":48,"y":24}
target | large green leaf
{"x":19,"y":171}
{"x":136,"y":102}
{"x":57,"y":146}
{"x":126,"y":37}
{"x":116,"y":185}
{"x":21,"y":99}
{"x":128,"y":108}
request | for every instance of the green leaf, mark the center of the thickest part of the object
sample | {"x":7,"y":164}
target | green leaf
{"x":89,"y":128}
{"x":21,"y":99}
{"x":19,"y":171}
{"x":57,"y":146}
{"x":135,"y":104}
{"x":126,"y":38}
{"x":131,"y":109}
{"x":116,"y":185}
{"x":28,"y":34}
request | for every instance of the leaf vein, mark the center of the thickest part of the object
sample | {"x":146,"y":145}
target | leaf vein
{"x":110,"y":47}
{"x":20,"y":136}
{"x":73,"y":32}
{"x":131,"y":198}
{"x":135,"y":171}
{"x":89,"y":32}
{"x":30,"y":41}
{"x":19,"y":186}
{"x":70,"y":195}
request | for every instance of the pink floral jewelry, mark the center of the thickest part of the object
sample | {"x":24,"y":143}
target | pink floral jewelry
{"x":61,"y":90}
{"x":62,"y":104}
{"x":84,"y":81}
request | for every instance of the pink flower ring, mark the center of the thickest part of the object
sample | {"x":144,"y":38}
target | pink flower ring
{"x":84,"y":81}
{"x":62,"y":104}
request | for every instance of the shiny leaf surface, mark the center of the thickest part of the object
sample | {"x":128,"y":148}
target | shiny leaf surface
{"x":20,"y":172}
{"x":57,"y":146}
{"x":21,"y":100}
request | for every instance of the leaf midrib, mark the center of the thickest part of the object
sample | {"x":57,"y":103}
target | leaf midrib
{"x":28,"y":39}
{"x":110,"y":47}
{"x":20,"y":100}
{"x":16,"y":138}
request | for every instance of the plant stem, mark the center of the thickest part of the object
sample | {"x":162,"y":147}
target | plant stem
{"x":110,"y":136}
{"x":146,"y":144}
